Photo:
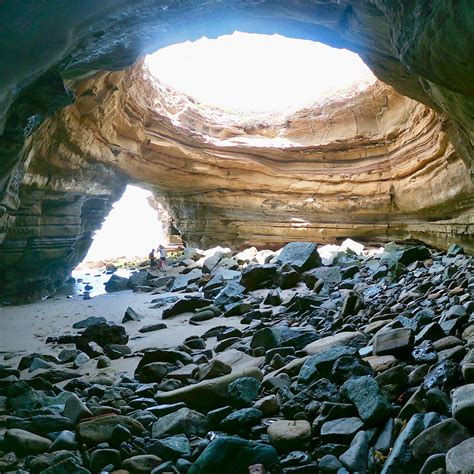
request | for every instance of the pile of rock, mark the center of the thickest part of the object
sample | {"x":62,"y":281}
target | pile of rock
{"x":364,"y":365}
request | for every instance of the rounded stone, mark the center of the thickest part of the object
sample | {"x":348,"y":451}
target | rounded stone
{"x":100,"y":429}
{"x":242,"y":391}
{"x":460,"y":458}
{"x":269,"y":405}
{"x":142,"y":464}
{"x":463,"y":404}
{"x":286,"y":435}
{"x":24,"y":442}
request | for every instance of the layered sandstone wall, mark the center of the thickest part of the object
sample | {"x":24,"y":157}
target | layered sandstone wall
{"x":372,"y":165}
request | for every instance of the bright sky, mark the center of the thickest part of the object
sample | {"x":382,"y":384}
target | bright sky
{"x":259,"y":73}
{"x":131,"y":229}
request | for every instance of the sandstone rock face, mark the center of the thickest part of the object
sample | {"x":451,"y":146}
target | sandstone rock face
{"x":374,"y":165}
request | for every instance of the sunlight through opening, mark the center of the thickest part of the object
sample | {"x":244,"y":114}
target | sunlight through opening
{"x":258,"y":73}
{"x":131,"y":229}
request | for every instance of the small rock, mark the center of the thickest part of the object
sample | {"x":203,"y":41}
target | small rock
{"x":241,"y":420}
{"x":286,"y":435}
{"x":341,"y":430}
{"x":268,"y":405}
{"x":103,"y":457}
{"x":75,"y":409}
{"x":398,"y":342}
{"x":171,"y":448}
{"x":243,"y":391}
{"x":355,"y":458}
{"x":23,"y":442}
{"x":131,"y":315}
{"x":215,"y":368}
{"x":141,"y":464}
{"x":100,"y":429}
{"x":152,"y":327}
{"x":183,"y":421}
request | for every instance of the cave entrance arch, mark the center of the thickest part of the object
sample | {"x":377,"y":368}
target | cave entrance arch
{"x":136,"y":224}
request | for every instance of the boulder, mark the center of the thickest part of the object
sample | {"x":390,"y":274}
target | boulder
{"x":90,"y":321}
{"x":370,"y":402}
{"x":459,"y":459}
{"x":153,"y":372}
{"x":116,"y":283}
{"x":258,"y":276}
{"x":233,"y":455}
{"x":439,"y":438}
{"x":397,"y":342}
{"x":405,"y":255}
{"x":184,"y":421}
{"x":231,"y":293}
{"x":23,"y":442}
{"x":181,"y":282}
{"x":301,"y":256}
{"x":104,"y":334}
{"x":163,"y":355}
{"x":185,"y":305}
{"x":137,"y":278}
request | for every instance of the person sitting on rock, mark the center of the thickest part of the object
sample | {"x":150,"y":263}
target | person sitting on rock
{"x":152,"y":258}
{"x":162,"y":261}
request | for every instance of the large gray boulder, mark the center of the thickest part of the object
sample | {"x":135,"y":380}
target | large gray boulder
{"x":301,"y":256}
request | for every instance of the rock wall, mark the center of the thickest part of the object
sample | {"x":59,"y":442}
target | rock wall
{"x":370,"y":164}
{"x":374,"y":169}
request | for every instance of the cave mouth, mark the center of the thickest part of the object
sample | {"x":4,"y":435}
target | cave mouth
{"x":132,"y":228}
{"x":257,"y":74}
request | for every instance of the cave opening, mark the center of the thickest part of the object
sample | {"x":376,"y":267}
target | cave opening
{"x":258,"y":74}
{"x":132,"y":228}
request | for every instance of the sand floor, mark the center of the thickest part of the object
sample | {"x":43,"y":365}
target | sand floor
{"x":24,"y":329}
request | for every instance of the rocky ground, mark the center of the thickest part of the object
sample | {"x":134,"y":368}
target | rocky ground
{"x":365,"y":364}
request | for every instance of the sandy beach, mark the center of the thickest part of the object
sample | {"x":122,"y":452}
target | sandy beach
{"x":24,"y":329}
